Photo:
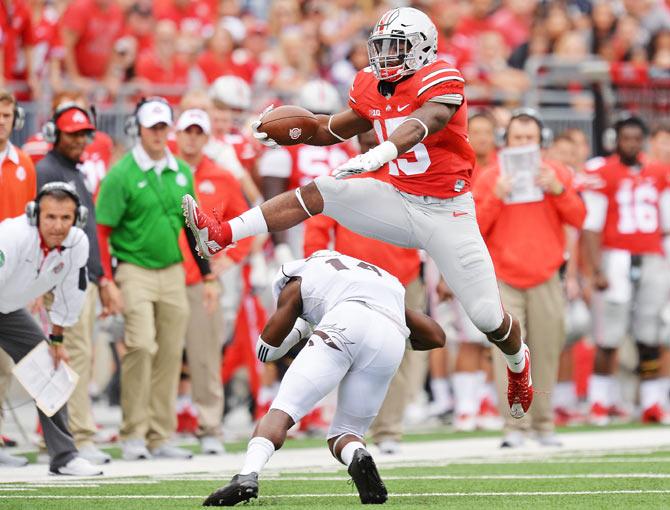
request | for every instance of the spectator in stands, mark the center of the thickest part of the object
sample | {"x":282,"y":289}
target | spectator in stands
{"x":527,"y":264}
{"x":494,"y":75}
{"x":659,"y":143}
{"x":137,"y":36}
{"x":513,"y":20}
{"x":217,"y":59}
{"x":476,"y":19}
{"x":344,"y":22}
{"x":295,"y":60}
{"x":70,"y":130}
{"x":218,"y":189}
{"x":17,"y":39}
{"x":283,"y":15}
{"x":17,"y":188}
{"x":160,"y":70}
{"x":47,"y":52}
{"x":344,"y":71}
{"x":189,"y":16}
{"x":89,"y":30}
{"x":452,"y":46}
{"x":139,"y":217}
{"x":482,"y":136}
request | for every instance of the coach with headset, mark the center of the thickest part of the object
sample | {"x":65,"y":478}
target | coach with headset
{"x":70,"y":130}
{"x":43,"y":250}
{"x":526,"y":239}
{"x":140,"y":219}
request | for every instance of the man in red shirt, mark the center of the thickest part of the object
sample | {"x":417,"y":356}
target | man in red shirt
{"x":89,"y":30}
{"x":417,"y":107}
{"x":218,"y":189}
{"x":17,"y":40}
{"x":526,"y":240}
{"x":386,"y":430}
{"x":628,"y":204}
{"x":18,"y":186}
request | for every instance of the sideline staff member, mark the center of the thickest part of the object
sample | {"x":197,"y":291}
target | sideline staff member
{"x":41,"y":251}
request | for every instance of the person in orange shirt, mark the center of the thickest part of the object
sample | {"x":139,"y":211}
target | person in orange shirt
{"x":404,"y":264}
{"x":526,"y":240}
{"x":217,"y":189}
{"x":18,"y":186}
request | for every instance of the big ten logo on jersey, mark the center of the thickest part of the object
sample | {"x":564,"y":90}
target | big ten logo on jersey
{"x":94,"y":169}
{"x":314,"y":161}
{"x":638,"y":206}
{"x":413,"y":162}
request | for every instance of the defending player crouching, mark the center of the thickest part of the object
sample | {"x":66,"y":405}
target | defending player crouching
{"x":361,"y":328}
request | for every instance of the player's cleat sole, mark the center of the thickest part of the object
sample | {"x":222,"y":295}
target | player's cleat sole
{"x":363,"y":471}
{"x":241,"y":488}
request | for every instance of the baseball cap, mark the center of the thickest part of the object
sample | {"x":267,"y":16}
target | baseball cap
{"x":74,"y":120}
{"x":194,"y":117}
{"x":154,"y":112}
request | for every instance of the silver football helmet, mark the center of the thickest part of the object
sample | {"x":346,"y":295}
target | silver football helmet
{"x":403,"y":41}
{"x":319,"y":96}
{"x":232,"y":91}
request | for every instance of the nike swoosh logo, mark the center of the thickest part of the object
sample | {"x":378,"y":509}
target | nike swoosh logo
{"x":401,"y":108}
{"x":459,"y":213}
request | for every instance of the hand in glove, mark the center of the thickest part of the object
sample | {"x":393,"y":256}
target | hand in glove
{"x":259,"y":135}
{"x":372,"y":160}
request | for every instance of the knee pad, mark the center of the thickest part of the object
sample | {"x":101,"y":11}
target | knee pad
{"x":649,"y":360}
{"x":487,"y":316}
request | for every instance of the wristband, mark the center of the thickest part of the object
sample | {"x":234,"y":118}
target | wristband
{"x":55,"y":339}
{"x":385,"y":152}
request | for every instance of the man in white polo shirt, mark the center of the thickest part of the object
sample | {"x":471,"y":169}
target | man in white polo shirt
{"x":44,"y":251}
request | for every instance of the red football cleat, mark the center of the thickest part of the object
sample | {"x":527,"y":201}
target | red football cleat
{"x":599,"y":415}
{"x":211,"y":235}
{"x":520,"y":389}
{"x":656,"y":414}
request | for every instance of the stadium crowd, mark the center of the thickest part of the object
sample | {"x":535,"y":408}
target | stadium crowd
{"x":590,"y":285}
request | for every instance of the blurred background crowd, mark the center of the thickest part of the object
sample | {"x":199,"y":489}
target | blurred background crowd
{"x":581,"y":64}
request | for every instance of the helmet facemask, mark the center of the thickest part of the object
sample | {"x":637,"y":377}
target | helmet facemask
{"x":393,"y":56}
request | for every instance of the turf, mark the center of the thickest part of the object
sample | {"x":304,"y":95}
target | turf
{"x":612,"y":482}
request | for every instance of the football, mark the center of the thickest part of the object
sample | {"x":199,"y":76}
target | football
{"x":289,"y":125}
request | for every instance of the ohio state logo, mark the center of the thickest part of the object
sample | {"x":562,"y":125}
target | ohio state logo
{"x":59,"y":268}
{"x":294,"y":133}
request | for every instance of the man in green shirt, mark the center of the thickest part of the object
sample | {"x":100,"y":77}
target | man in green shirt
{"x":139,"y":217}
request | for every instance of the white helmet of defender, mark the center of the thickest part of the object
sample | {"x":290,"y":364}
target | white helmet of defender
{"x":403,"y":41}
{"x":319,"y":96}
{"x":232,"y":91}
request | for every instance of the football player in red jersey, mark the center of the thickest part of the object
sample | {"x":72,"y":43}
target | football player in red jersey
{"x":417,"y":108}
{"x":627,"y":201}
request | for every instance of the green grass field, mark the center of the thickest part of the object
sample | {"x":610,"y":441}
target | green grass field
{"x":613,"y":482}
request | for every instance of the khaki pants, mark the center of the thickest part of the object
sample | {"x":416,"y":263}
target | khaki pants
{"x":204,"y":341}
{"x":6,"y":366}
{"x":540,"y":310}
{"x":156,"y":315}
{"x":407,"y":381}
{"x":78,"y":341}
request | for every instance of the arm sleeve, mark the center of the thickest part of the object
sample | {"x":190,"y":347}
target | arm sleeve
{"x":105,"y":256}
{"x":317,"y":233}
{"x":443,"y":85}
{"x":487,"y":203}
{"x":70,"y":293}
{"x":569,"y":204}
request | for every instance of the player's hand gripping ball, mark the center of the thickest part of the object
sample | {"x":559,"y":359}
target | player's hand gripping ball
{"x":284,"y":125}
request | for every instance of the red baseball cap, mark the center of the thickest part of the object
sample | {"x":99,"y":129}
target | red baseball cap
{"x":74,"y":120}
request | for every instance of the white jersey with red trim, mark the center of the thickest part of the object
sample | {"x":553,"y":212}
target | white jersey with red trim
{"x":439,"y":166}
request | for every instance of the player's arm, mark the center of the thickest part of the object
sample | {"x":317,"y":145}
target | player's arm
{"x":424,"y":332}
{"x":594,"y":224}
{"x":284,"y":328}
{"x":339,"y":127}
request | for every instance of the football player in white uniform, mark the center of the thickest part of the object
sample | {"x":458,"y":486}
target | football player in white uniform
{"x":361,"y":328}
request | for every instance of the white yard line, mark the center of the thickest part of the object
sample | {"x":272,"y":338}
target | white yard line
{"x":463,"y":451}
{"x":340,"y":495}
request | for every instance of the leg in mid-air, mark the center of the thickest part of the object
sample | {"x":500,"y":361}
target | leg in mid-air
{"x":269,"y":436}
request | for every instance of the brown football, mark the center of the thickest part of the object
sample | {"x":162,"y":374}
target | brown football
{"x":289,"y":125}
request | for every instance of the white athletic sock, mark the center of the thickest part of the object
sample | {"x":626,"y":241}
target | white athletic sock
{"x":517,"y":362}
{"x":651,"y":393}
{"x":665,"y":390}
{"x":259,"y":451}
{"x":247,"y":224}
{"x":600,"y":390}
{"x":564,"y":395}
{"x":480,"y":387}
{"x":490,"y":393}
{"x":347,"y":453}
{"x":439,"y":387}
{"x":465,"y":393}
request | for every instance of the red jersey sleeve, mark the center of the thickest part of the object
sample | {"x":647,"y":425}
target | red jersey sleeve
{"x":441,"y":83}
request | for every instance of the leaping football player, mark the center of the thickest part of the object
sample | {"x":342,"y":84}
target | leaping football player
{"x":417,"y":107}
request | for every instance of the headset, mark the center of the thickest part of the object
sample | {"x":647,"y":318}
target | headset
{"x":50,"y":130}
{"x":19,"y":118}
{"x":33,"y":207}
{"x":132,"y":124}
{"x":546,"y":134}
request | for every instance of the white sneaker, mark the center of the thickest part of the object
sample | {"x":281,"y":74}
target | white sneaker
{"x":11,"y":460}
{"x":211,"y":445}
{"x":94,"y":455}
{"x":512,"y":440}
{"x":389,"y":446}
{"x":77,"y":467}
{"x":465,"y":423}
{"x":549,"y":440}
{"x":168,"y":451}
{"x":134,"y":449}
